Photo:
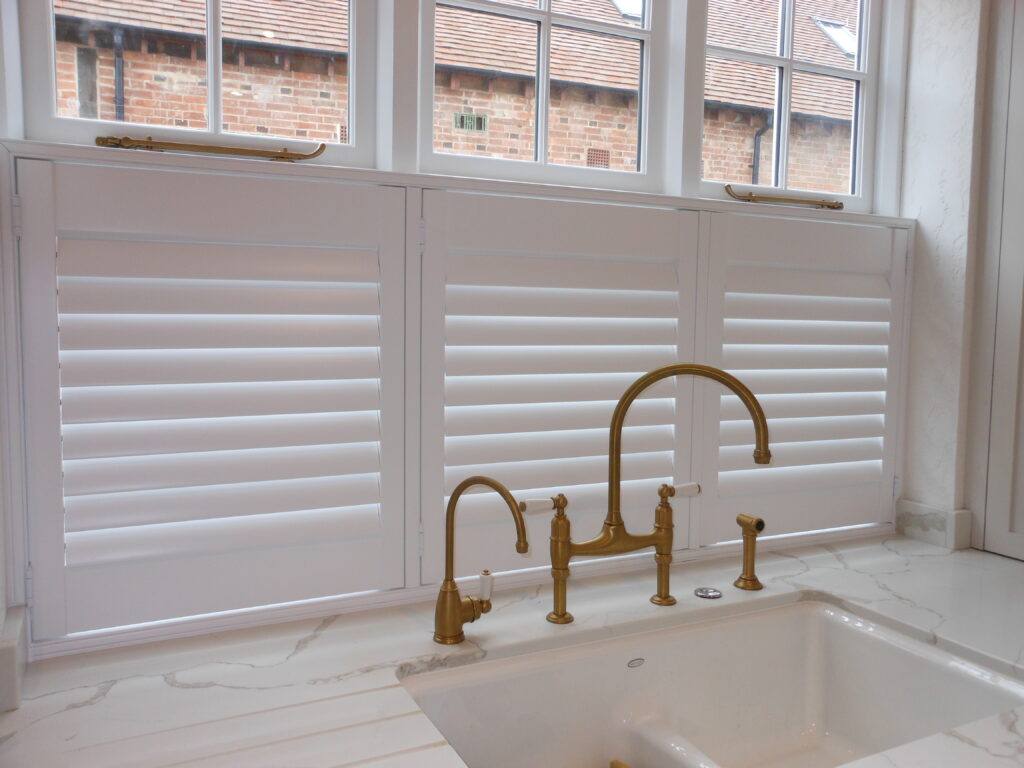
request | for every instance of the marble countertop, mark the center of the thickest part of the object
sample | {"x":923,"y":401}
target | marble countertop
{"x":325,"y":693}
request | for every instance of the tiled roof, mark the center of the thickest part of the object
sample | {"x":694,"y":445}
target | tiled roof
{"x":464,"y":39}
{"x":484,"y":42}
{"x":750,"y":25}
{"x":318,"y":24}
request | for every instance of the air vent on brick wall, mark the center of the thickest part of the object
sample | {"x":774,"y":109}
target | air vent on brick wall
{"x":467,"y":121}
{"x":598,"y":158}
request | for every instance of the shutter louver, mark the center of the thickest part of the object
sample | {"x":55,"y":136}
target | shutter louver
{"x":538,"y":345}
{"x":175,"y":382}
{"x":813,"y":341}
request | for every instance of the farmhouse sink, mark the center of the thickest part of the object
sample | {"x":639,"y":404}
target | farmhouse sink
{"x":805,"y":685}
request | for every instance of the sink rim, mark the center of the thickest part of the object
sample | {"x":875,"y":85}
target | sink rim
{"x":572,"y":635}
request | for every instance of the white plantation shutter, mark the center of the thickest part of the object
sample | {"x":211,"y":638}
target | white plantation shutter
{"x":221,"y":409}
{"x":807,"y":315}
{"x":537,"y":316}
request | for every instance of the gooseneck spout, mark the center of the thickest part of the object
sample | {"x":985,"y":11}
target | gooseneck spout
{"x":614,"y":539}
{"x":762,"y":455}
{"x":452,"y":609}
{"x":449,"y":524}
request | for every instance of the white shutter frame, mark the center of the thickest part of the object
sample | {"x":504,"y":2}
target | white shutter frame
{"x":531,"y":269}
{"x":809,"y":315}
{"x":216,"y":454}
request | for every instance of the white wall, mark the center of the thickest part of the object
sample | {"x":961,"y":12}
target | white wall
{"x":7,"y":293}
{"x":10,"y":72}
{"x":939,"y":172}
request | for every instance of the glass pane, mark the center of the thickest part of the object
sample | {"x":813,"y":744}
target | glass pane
{"x":595,"y":100}
{"x":629,"y":12}
{"x":825,"y":31}
{"x":485,"y":84}
{"x":136,"y":61}
{"x":739,"y":121}
{"x":821,"y":133}
{"x":286,"y":69}
{"x":747,"y":25}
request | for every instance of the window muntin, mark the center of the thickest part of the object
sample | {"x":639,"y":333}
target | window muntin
{"x":286,"y":71}
{"x":818,"y":109}
{"x":569,"y":84}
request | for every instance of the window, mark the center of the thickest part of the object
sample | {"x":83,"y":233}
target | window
{"x":663,"y":97}
{"x":785,"y":91}
{"x":283,"y":70}
{"x":557,"y":83}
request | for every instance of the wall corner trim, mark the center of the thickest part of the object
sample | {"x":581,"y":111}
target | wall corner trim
{"x":949,"y":528}
{"x":13,"y":656}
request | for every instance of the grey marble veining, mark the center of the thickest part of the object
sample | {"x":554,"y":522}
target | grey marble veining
{"x":326,"y":692}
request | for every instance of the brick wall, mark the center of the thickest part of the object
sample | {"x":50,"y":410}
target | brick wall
{"x":580,"y":119}
{"x":586,"y":125}
{"x":819,"y":150}
{"x":163,"y":89}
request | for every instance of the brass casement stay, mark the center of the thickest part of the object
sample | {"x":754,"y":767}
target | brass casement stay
{"x":750,"y":197}
{"x":282,"y":155}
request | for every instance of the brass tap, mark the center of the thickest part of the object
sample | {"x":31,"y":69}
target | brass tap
{"x":613,"y":538}
{"x":453,"y":610}
{"x":751,"y":526}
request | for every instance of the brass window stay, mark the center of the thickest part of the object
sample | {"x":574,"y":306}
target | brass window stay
{"x":282,"y":155}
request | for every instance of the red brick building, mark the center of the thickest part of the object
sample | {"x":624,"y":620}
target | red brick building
{"x":285,"y":73}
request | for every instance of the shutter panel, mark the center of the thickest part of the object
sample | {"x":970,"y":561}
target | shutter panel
{"x":545,"y":312}
{"x":806,"y":314}
{"x":222,"y":413}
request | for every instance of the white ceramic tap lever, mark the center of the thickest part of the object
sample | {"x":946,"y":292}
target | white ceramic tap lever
{"x":486,"y":585}
{"x":535,"y":506}
{"x":688,"y":489}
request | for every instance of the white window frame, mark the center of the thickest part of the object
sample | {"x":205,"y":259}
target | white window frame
{"x":43,"y":123}
{"x":867,"y":112}
{"x":655,"y":111}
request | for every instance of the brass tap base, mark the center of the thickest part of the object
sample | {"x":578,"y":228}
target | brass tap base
{"x":751,"y":583}
{"x":560,"y":618}
{"x":659,"y":600}
{"x":449,"y":640}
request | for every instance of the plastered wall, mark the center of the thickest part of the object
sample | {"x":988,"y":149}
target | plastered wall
{"x":940,"y":151}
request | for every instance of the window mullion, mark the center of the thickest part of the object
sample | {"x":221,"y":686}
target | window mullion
{"x":214,"y":66}
{"x":786,"y":28}
{"x":784,"y":98}
{"x":543,"y":89}
{"x":782,"y":103}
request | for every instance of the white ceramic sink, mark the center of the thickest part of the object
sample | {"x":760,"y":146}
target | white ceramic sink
{"x":800,"y":686}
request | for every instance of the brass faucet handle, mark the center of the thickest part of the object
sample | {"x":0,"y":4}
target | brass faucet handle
{"x":536,"y":506}
{"x":666,"y":491}
{"x":688,"y":489}
{"x":486,"y":586}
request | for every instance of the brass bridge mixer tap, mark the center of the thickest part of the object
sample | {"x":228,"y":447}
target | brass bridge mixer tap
{"x":613,"y":538}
